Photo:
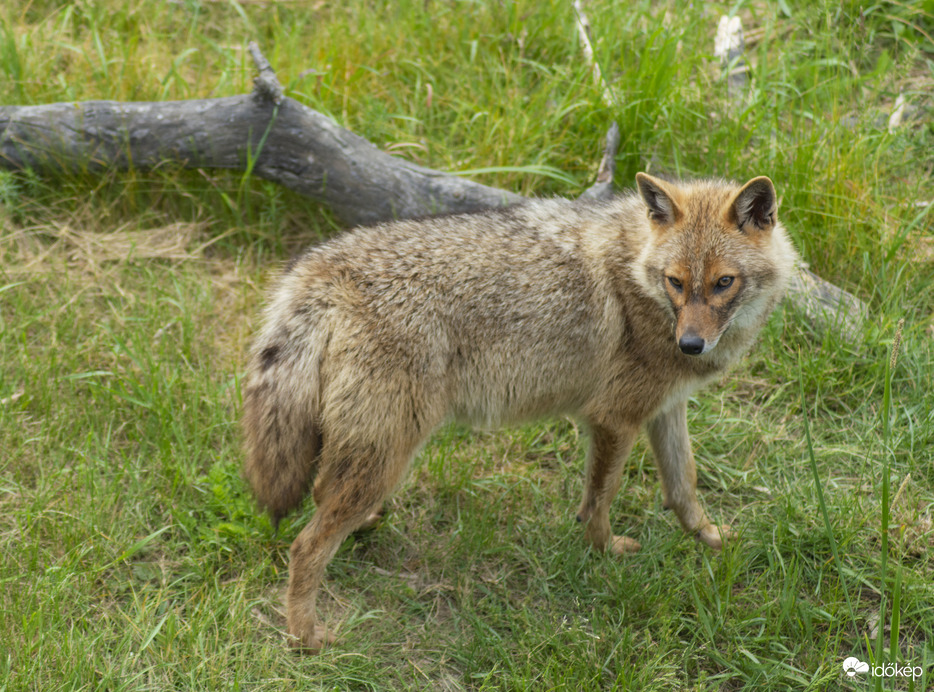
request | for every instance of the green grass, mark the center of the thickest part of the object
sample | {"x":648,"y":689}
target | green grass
{"x":131,"y":555}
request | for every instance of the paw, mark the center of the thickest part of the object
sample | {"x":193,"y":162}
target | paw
{"x":311,"y":643}
{"x":371,"y":522}
{"x":714,"y":535}
{"x":620,"y":545}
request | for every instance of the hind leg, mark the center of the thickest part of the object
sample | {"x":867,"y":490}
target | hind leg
{"x":310,"y":553}
{"x":370,"y":523}
{"x":351,"y":488}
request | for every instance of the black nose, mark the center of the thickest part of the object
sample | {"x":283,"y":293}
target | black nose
{"x":691,"y":344}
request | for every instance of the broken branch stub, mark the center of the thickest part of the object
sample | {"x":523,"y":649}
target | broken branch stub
{"x":603,"y":187}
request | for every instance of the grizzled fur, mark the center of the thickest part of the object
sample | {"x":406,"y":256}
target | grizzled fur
{"x":612,"y":312}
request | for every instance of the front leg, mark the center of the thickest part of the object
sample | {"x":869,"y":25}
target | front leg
{"x":671,"y":444}
{"x":608,"y":450}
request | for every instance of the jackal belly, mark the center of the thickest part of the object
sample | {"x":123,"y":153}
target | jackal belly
{"x":501,"y":383}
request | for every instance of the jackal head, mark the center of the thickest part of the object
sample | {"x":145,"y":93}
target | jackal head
{"x":716,"y":257}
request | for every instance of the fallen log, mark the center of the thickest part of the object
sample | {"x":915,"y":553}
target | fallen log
{"x":269,"y":135}
{"x":263,"y":133}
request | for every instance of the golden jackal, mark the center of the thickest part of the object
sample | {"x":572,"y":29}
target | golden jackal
{"x":614,"y":312}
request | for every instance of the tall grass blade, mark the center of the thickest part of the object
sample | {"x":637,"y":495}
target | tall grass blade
{"x":828,"y":526}
{"x":885,"y":509}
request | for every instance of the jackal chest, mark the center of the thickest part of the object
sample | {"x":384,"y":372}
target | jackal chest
{"x":635,"y":390}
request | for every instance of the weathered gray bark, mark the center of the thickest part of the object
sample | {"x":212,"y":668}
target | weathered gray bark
{"x":603,"y":185}
{"x":273,"y":137}
{"x":827,"y":306}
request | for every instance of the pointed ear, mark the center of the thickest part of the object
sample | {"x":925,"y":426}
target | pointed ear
{"x":755,"y":205}
{"x":657,"y":197}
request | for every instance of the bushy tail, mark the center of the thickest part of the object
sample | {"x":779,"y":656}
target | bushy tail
{"x":280,"y":421}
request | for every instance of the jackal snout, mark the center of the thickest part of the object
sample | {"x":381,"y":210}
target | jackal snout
{"x":691,"y":344}
{"x":694,"y":340}
{"x":700,"y":325}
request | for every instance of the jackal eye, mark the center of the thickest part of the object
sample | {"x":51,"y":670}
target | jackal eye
{"x":724,"y":282}
{"x":676,"y":282}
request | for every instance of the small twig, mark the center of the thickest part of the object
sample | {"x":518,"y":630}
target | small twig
{"x":583,"y":30}
{"x":728,"y":46}
{"x":603,"y":187}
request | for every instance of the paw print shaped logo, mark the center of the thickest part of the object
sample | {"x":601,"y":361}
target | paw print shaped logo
{"x":853,"y":665}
